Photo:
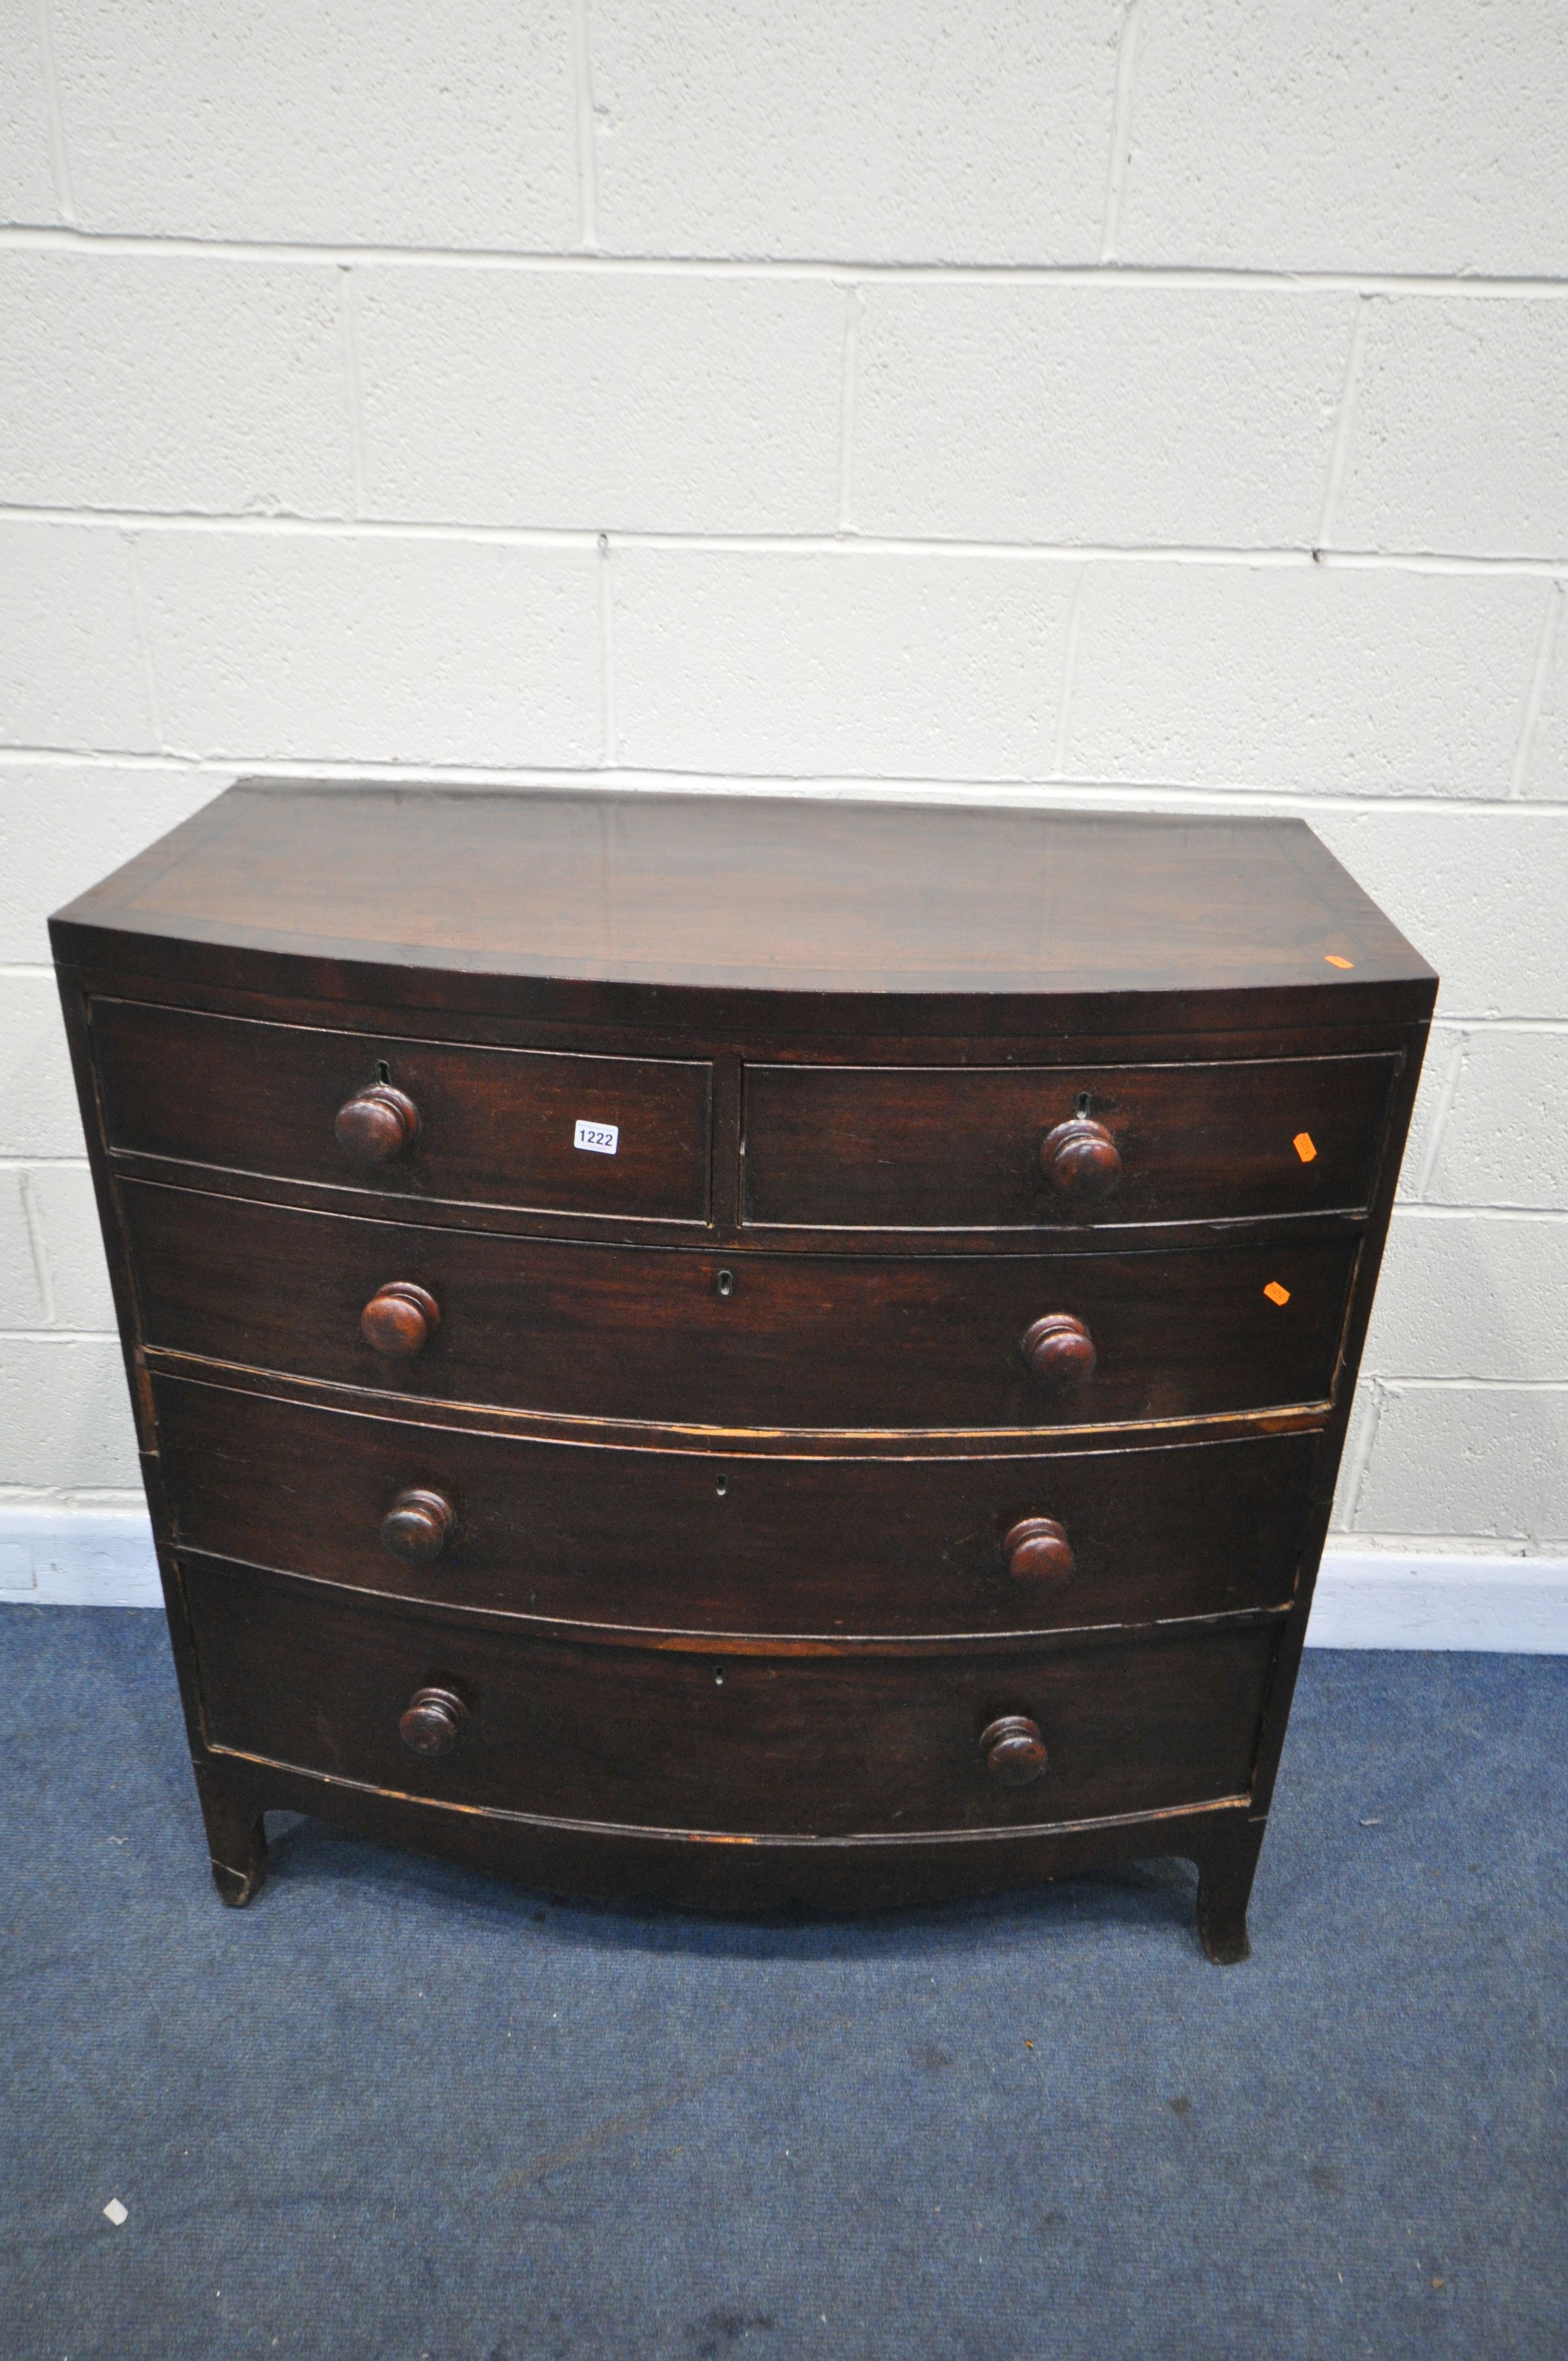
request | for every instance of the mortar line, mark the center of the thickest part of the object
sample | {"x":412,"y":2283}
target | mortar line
{"x":1278,"y":557}
{"x":59,"y":155}
{"x":112,"y":1499}
{"x":1396,"y":1383}
{"x":143,"y":640}
{"x":849,"y":369}
{"x":1080,"y":794}
{"x":1068,"y":673}
{"x":1407,"y":1207}
{"x":60,"y":1335}
{"x":1535,"y":703}
{"x":32,"y":1221}
{"x":606,"y":654}
{"x":1483,"y":287}
{"x":1344,"y":423}
{"x":1121,"y":129}
{"x":1459,"y":1058}
{"x":348,"y":328}
{"x":1361,"y":1459}
{"x":587,"y":138}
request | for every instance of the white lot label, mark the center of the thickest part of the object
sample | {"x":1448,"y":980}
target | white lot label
{"x":602,"y":1137}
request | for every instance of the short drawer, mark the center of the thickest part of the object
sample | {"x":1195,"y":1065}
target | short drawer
{"x":804,"y":1745}
{"x":918,"y":1147}
{"x":690,"y":1541}
{"x":678,"y":1337}
{"x":431,"y":1120}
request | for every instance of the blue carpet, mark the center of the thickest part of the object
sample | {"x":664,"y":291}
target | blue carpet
{"x":394,"y":2113}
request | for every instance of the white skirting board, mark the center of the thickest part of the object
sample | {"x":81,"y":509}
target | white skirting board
{"x":1367,"y":1598}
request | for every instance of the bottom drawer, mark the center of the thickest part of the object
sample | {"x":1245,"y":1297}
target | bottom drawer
{"x":809,"y":1744}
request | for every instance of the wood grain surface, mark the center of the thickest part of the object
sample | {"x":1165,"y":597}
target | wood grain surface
{"x":691,"y":1541}
{"x":893,"y":1147}
{"x":496,"y":1126}
{"x":799,"y":1341}
{"x":820,"y":1746}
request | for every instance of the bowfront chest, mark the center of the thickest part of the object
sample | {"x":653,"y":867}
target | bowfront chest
{"x":738,"y":1350}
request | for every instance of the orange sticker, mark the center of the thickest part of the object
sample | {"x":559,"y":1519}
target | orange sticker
{"x":1276,"y":1294}
{"x":1334,"y":959}
{"x":1305,"y":1146}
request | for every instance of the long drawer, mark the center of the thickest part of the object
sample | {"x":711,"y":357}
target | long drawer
{"x":946,"y":1149}
{"x":622,"y":1138}
{"x":696,"y":1541}
{"x":748,"y":1744}
{"x":790,"y":1341}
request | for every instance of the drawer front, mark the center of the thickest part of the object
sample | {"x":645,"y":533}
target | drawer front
{"x":897,"y":1147}
{"x":809,"y":1745}
{"x":490,"y":1126}
{"x":689,"y":1542}
{"x":675,"y":1337}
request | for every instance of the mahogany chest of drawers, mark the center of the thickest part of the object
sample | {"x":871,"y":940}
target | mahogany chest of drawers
{"x":745,"y":1351}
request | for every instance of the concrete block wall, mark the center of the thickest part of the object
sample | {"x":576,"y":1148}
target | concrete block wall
{"x":1156,"y":404}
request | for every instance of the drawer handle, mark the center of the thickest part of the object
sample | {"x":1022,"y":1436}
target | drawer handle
{"x":416,"y":1526}
{"x":399,"y":1318}
{"x":433,"y":1721}
{"x":1038,"y":1550}
{"x":1081,"y":1160}
{"x":1060,"y":1349}
{"x":377,"y":1124}
{"x":1013,"y":1750}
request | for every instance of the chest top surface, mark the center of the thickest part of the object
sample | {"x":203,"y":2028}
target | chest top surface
{"x":712,"y":894}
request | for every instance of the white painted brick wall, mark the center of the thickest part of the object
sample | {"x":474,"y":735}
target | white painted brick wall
{"x":908,"y":132}
{"x":362,"y":122}
{"x":873,"y":665}
{"x":616,"y":398}
{"x":105,"y":362}
{"x":1483,"y":468}
{"x":391,"y":648}
{"x":1422,"y":136}
{"x":1315,"y":678}
{"x":1157,"y":404}
{"x":1031,"y":413}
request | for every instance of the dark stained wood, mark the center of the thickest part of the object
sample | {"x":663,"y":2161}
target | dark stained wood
{"x":1059,"y":1351}
{"x":373,"y":1127}
{"x":885,"y":1149}
{"x":1014,"y":1751}
{"x":686,"y":1541}
{"x":1225,"y":1871}
{"x":1081,"y":1160}
{"x":803,"y":1746}
{"x":493,"y":1126}
{"x":400,"y":1320}
{"x":800,"y":1342}
{"x":728,"y":1873}
{"x":418,"y":1526}
{"x":740,"y":1568}
{"x":1038,"y":1550}
{"x":236,"y":1835}
{"x":433,"y":1721}
{"x":683,"y":899}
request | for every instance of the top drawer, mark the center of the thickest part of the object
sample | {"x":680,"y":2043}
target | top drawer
{"x":441,"y":1121}
{"x":880,"y":1147}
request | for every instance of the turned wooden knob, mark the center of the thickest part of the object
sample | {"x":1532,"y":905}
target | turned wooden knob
{"x":1013,"y":1750}
{"x":416,"y":1526}
{"x":399,"y":1318}
{"x":1079,"y":1160}
{"x":1036,"y":1550}
{"x":377,"y":1123}
{"x":433,"y":1721}
{"x":1060,"y":1349}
